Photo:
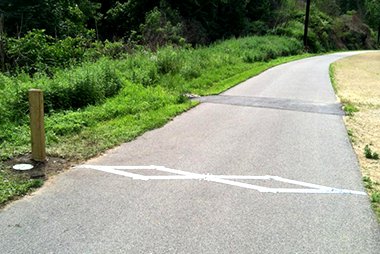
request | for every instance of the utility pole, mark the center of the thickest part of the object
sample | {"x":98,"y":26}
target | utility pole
{"x":306,"y":23}
{"x":378,"y":33}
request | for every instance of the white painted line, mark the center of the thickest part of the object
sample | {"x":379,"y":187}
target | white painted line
{"x":173,"y":178}
{"x":118,"y":167}
{"x":315,"y":191}
{"x":284,"y":180}
{"x":223,"y":179}
{"x":232,"y":177}
{"x":212,"y":179}
{"x":116,"y":172}
{"x":179,"y":177}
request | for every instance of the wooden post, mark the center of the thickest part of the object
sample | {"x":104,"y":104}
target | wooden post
{"x":306,"y":23}
{"x":36,"y":108}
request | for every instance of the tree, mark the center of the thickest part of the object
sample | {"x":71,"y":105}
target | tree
{"x":373,"y":15}
{"x":2,"y":51}
{"x":57,"y":17}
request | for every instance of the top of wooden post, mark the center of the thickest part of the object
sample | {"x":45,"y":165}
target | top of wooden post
{"x":35,"y":90}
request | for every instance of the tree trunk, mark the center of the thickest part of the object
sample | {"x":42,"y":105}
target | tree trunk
{"x":2,"y":53}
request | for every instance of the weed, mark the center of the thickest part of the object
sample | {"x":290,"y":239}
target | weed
{"x":369,"y":155}
{"x":350,"y":110}
{"x":351,"y":135}
{"x":367,"y":152}
{"x":332,"y":73}
{"x":374,"y":194}
{"x":375,"y":200}
{"x":168,"y":61}
{"x":368,"y":182}
{"x":375,"y":197}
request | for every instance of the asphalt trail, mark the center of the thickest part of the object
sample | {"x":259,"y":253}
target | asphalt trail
{"x":284,"y":122}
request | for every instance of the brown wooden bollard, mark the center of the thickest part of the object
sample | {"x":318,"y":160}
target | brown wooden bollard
{"x":36,"y":108}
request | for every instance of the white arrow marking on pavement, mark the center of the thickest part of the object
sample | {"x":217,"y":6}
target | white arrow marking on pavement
{"x":224,"y":179}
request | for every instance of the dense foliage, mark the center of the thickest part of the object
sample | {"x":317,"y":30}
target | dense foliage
{"x":213,"y":19}
{"x":81,"y":97}
{"x":42,"y":35}
{"x":333,"y":25}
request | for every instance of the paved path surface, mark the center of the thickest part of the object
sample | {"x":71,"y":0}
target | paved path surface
{"x":282,"y":123}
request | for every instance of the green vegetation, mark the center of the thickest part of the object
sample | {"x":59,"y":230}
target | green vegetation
{"x":12,"y":185}
{"x":351,"y":135}
{"x":85,"y":99}
{"x":100,"y":104}
{"x":334,"y":25}
{"x":369,"y":155}
{"x":350,"y":109}
{"x":331,"y":72}
{"x":41,"y":35}
{"x":374,"y":194}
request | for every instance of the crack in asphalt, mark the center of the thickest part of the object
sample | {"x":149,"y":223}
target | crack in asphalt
{"x":276,"y":103}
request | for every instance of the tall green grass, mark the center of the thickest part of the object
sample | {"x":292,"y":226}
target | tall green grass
{"x":144,"y":89}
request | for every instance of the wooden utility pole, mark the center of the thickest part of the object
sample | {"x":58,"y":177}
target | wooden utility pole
{"x":2,"y":53}
{"x":36,"y":108}
{"x":378,"y":33}
{"x":306,"y":23}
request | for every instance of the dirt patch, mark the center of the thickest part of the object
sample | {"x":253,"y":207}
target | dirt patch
{"x":41,"y":170}
{"x":358,"y":82}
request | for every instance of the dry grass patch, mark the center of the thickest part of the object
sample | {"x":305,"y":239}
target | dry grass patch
{"x":357,"y":81}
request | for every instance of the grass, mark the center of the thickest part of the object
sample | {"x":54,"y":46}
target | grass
{"x":331,"y":72}
{"x":86,"y":99}
{"x":374,"y":194}
{"x":99,"y":105}
{"x":98,"y":127}
{"x":349,"y":108}
{"x":12,"y":185}
{"x":256,"y":69}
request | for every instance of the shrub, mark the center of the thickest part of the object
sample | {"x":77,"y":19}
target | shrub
{"x":161,"y":27}
{"x":68,"y":89}
{"x":368,"y":153}
{"x":37,"y":51}
{"x":168,"y":61}
{"x":140,"y":68}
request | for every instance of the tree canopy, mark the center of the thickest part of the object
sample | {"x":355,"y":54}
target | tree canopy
{"x":34,"y":32}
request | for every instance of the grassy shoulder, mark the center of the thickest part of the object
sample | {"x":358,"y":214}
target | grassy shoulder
{"x":356,"y":82}
{"x":13,"y":185}
{"x":97,"y":106}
